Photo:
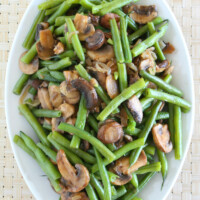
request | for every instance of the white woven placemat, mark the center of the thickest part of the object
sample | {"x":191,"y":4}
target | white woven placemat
{"x":12,"y":185}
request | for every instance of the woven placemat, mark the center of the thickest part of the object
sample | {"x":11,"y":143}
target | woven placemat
{"x":12,"y":185}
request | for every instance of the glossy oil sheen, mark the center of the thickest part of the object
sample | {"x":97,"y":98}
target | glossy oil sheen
{"x":182,"y":78}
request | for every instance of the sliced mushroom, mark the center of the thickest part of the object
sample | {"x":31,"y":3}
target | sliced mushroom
{"x":76,"y":179}
{"x":88,"y":91}
{"x":89,"y":31}
{"x":67,"y":110}
{"x":143,"y":14}
{"x":169,"y":49}
{"x":55,"y":123}
{"x":135,"y":107}
{"x":110,"y":132}
{"x":70,"y":94}
{"x":123,"y":117}
{"x":94,"y":19}
{"x":40,"y":27}
{"x":43,"y":96}
{"x":70,"y":75}
{"x":59,"y":48}
{"x":112,"y":86}
{"x":161,"y":67}
{"x":46,"y":39}
{"x":99,"y":76}
{"x":128,"y":138}
{"x":55,"y":95}
{"x":74,"y":196}
{"x":29,"y":68}
{"x":122,"y":165}
{"x":169,"y":70}
{"x":44,"y":53}
{"x":95,"y":41}
{"x":161,"y":138}
{"x":104,"y":54}
{"x":105,"y":20}
{"x":122,"y":180}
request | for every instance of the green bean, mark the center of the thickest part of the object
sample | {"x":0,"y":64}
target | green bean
{"x":93,"y":122}
{"x":134,"y":180}
{"x":73,"y":158}
{"x":51,"y":28}
{"x":111,"y":147}
{"x":159,"y":52}
{"x":48,"y":151}
{"x":30,"y":55}
{"x":143,"y":30}
{"x":162,"y":115}
{"x":68,"y":41}
{"x":51,"y":10}
{"x":104,"y":176}
{"x":150,"y":150}
{"x":120,"y":192}
{"x":161,"y":83}
{"x":30,"y":37}
{"x":86,"y":136}
{"x":112,"y":176}
{"x":60,"y":30}
{"x":126,"y":94}
{"x":34,"y":123}
{"x":41,"y":157}
{"x":145,"y":101}
{"x":57,"y":75}
{"x":60,"y":65}
{"x":168,"y":98}
{"x":97,"y":185}
{"x":19,"y":85}
{"x":32,"y":91}
{"x":87,"y":4}
{"x":64,"y":7}
{"x":130,"y":132}
{"x":131,"y":22}
{"x":62,"y":19}
{"x":136,"y":198}
{"x":80,"y":122}
{"x":43,"y":74}
{"x":55,"y":184}
{"x":150,"y":41}
{"x":117,"y":41}
{"x":123,"y":83}
{"x":116,"y":75}
{"x":68,"y":53}
{"x":146,"y":130}
{"x":66,"y":143}
{"x":132,"y":193}
{"x":164,"y":164}
{"x":46,"y":113}
{"x":171,"y":122}
{"x":154,"y":167}
{"x":113,"y":190}
{"x":47,"y":126}
{"x":49,"y":4}
{"x":75,"y":40}
{"x":122,"y":151}
{"x":124,"y":39}
{"x":90,"y":192}
{"x":178,"y":132}
{"x":110,"y":41}
{"x":20,"y":142}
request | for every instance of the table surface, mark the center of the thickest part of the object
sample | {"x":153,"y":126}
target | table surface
{"x":12,"y":185}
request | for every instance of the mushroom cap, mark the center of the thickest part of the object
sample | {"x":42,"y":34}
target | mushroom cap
{"x":89,"y":31}
{"x":44,"y":53}
{"x":76,"y":179}
{"x":67,"y":110}
{"x":110,"y":132}
{"x":43,"y":96}
{"x":169,"y":49}
{"x":88,"y":91}
{"x":96,"y":40}
{"x":46,"y":39}
{"x":161,"y":138}
{"x":99,"y":76}
{"x":135,"y":107}
{"x":162,"y":66}
{"x":55,"y":123}
{"x":104,"y":54}
{"x":55,"y":95}
{"x":65,"y":195}
{"x":105,"y":20}
{"x":122,"y":180}
{"x":143,"y":14}
{"x":29,"y":68}
{"x":112,"y":86}
{"x":59,"y":48}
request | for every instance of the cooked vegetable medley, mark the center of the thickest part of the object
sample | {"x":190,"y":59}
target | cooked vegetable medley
{"x":96,"y":90}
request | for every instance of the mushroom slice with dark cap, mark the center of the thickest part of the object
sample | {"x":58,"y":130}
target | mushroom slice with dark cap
{"x":135,"y":107}
{"x":162,"y":66}
{"x":161,"y":138}
{"x":67,"y":110}
{"x":65,"y":195}
{"x":88,"y":91}
{"x":105,"y":20}
{"x":76,"y":179}
{"x":46,"y":39}
{"x":40,"y":27}
{"x":110,"y":132}
{"x":143,"y":14}
{"x":99,"y":76}
{"x":55,"y":95}
{"x":169,"y":48}
{"x":104,"y":54}
{"x":44,"y":53}
{"x":43,"y":96}
{"x":95,"y":41}
{"x":29,"y":68}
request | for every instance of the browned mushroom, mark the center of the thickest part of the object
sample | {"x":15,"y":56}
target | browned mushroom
{"x":161,"y":138}
{"x":46,"y":39}
{"x":73,"y":196}
{"x":112,"y":86}
{"x":94,"y":19}
{"x":29,"y":68}
{"x":43,"y":96}
{"x":67,"y":110}
{"x":162,"y":66}
{"x":70,"y":75}
{"x":104,"y":54}
{"x":128,"y":138}
{"x":169,"y":70}
{"x":59,"y":48}
{"x":135,"y":107}
{"x":123,"y":117}
{"x":143,"y":14}
{"x":55,"y":95}
{"x":122,"y":180}
{"x":169,"y":49}
{"x":70,"y":94}
{"x":55,"y":123}
{"x":40,"y":27}
{"x":96,"y":40}
{"x":76,"y":179}
{"x":122,"y":165}
{"x":110,"y":132}
{"x":43,"y":53}
{"x":88,"y":91}
{"x":105,"y":20}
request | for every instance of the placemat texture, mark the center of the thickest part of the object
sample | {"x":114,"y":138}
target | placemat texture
{"x":12,"y":185}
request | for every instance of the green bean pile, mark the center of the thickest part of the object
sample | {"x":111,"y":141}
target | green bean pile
{"x":96,"y":90}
